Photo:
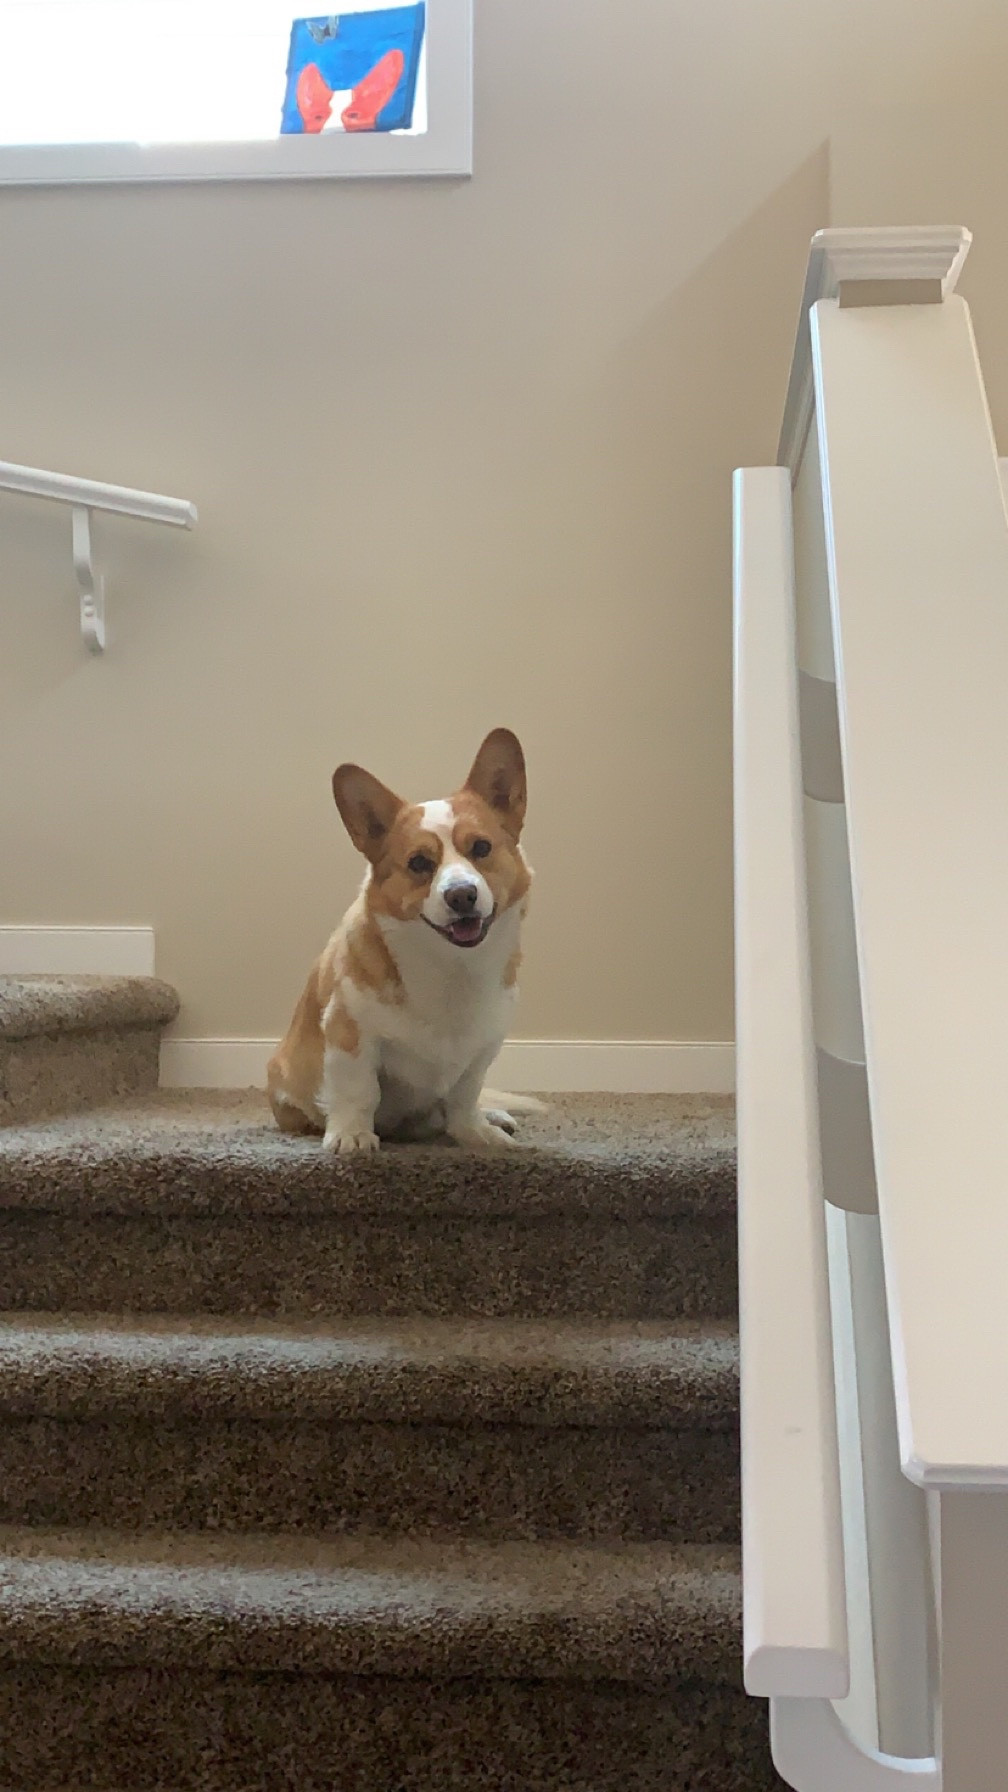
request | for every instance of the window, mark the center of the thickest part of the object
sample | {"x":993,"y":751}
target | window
{"x":107,"y":90}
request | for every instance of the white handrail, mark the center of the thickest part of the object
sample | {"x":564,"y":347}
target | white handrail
{"x":94,"y":494}
{"x":794,"y":1602}
{"x":84,"y":496}
{"x":917,"y":554}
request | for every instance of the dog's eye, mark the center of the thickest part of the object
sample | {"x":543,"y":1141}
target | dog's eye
{"x":420,"y":864}
{"x":480,"y":849}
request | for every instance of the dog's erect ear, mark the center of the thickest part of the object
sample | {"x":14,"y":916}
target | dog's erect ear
{"x":367,"y":806}
{"x":498,"y":776}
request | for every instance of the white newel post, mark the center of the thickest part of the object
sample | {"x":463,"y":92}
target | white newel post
{"x":885,"y":1527}
{"x":917,"y":555}
{"x":872,"y":908}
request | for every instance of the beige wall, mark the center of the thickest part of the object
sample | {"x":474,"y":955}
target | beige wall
{"x":462,"y":453}
{"x":952,"y":170}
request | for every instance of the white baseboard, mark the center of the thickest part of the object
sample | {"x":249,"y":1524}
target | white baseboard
{"x":80,"y":951}
{"x":613,"y":1066}
{"x":616,"y":1066}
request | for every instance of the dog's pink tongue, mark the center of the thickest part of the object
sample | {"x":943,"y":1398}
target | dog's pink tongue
{"x":464,"y":932}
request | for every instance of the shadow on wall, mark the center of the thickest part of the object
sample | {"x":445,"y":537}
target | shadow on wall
{"x":701,"y":380}
{"x":717,"y":352}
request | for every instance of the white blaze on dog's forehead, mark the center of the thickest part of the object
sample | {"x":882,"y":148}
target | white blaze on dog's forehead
{"x":438,"y":818}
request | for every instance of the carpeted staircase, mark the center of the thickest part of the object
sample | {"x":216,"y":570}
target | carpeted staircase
{"x":414,"y":1473}
{"x":69,"y":1042}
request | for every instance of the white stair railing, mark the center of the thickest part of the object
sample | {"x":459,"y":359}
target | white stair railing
{"x":84,"y":496}
{"x":794,"y":1616}
{"x":873,"y":1020}
{"x":795,"y":1624}
{"x":917,"y":553}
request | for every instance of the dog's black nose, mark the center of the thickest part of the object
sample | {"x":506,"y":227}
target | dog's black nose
{"x":461,"y":898}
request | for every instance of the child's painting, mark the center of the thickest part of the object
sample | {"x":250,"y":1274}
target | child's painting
{"x":353,"y":71}
{"x":233,"y":90}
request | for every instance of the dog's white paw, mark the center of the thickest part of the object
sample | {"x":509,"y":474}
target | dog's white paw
{"x":500,"y":1118}
{"x":344,"y":1143}
{"x":480,"y":1135}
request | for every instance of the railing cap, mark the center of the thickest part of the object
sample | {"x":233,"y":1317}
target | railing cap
{"x":896,"y":264}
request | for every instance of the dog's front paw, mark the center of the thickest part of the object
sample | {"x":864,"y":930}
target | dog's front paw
{"x":479,"y":1134}
{"x":344,"y":1142}
{"x":500,"y":1118}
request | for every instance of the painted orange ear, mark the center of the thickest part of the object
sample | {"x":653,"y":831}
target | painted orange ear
{"x":367,"y":806}
{"x":498,"y":776}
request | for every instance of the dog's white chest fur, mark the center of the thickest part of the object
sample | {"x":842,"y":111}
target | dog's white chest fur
{"x":453,"y":1016}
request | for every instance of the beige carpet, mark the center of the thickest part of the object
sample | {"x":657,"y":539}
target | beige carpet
{"x":412,"y":1474}
{"x":72,"y":1042}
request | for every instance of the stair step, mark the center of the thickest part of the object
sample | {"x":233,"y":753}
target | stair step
{"x":218,"y":1151}
{"x":282,"y":1604}
{"x":68,"y":1043}
{"x":158,"y":1730}
{"x":612,"y":1207}
{"x":426,"y":1371}
{"x":367,"y":1666}
{"x":34,"y":1004}
{"x":503,"y":1428}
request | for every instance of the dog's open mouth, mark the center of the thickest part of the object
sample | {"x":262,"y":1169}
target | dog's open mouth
{"x":469,"y":930}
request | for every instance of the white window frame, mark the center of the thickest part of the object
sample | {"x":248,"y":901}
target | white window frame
{"x":445,"y":148}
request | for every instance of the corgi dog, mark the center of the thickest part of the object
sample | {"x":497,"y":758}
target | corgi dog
{"x":410,"y":1002}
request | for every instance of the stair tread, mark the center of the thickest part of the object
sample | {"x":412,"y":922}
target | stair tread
{"x":219,"y":1153}
{"x":371,"y":1606}
{"x":46,"y":1004}
{"x":434,"y":1371}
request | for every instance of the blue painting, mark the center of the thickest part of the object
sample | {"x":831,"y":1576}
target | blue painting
{"x":362,"y":65}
